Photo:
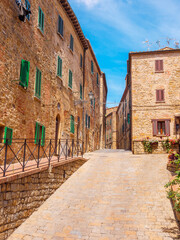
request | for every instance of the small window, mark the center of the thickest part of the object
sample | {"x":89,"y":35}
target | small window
{"x":59,"y":67}
{"x":89,"y":122}
{"x":158,"y":65}
{"x":97,"y":79}
{"x":60,"y":26}
{"x":39,"y":134}
{"x":24,"y":74}
{"x":92,"y":67}
{"x":38,"y":83}
{"x":28,"y":7}
{"x":72,"y":124}
{"x":160,"y":95}
{"x":81,"y":61}
{"x":86,"y":121}
{"x":8,"y":134}
{"x":91,"y":102}
{"x":71,"y":42}
{"x":110,"y":122}
{"x":80,"y":91}
{"x":161,"y":127}
{"x":128,"y":117}
{"x":70,"y":79}
{"x":41,"y":20}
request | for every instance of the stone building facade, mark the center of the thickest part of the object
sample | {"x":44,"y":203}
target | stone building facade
{"x":44,"y":73}
{"x":123,"y":121}
{"x":154,"y":87}
{"x":111,"y":128}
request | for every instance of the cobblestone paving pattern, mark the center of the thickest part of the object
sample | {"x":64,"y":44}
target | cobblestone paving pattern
{"x":115,"y":195}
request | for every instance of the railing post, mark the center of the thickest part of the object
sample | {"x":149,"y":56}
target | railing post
{"x":50,"y":152}
{"x":72,"y":147}
{"x":39,"y":145}
{"x":66,"y":149}
{"x":24,"y":156}
{"x":5,"y":160}
{"x":59,"y":149}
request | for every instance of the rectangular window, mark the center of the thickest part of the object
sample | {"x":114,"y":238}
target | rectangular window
{"x":81,"y":61}
{"x":60,"y":26}
{"x":97,"y":79}
{"x":80,"y":91}
{"x":38,"y":83}
{"x":71,"y":42}
{"x":161,"y":127}
{"x":91,"y":102}
{"x":160,"y":95}
{"x":72,"y":124}
{"x":24,"y":73}
{"x":40,"y":134}
{"x":1,"y":133}
{"x":128,"y":118}
{"x":41,"y":20}
{"x":86,"y":121}
{"x":8,"y":134}
{"x":92,"y":67}
{"x":28,"y":7}
{"x":70,"y":79}
{"x":59,"y":68}
{"x":89,"y":122}
{"x":110,"y":122}
{"x":158,"y":65}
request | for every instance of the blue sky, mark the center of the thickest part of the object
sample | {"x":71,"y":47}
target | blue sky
{"x":116,"y":27}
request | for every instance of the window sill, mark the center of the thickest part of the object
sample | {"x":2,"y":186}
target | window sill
{"x":37,"y":99}
{"x":71,"y":51}
{"x":159,"y":71}
{"x":62,"y":38}
{"x":42,"y":33}
{"x":70,"y":88}
{"x":160,"y":101}
{"x":22,"y":88}
{"x":60,"y":78}
{"x":92,"y":73}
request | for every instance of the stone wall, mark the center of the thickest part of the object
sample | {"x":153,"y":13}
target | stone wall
{"x":21,"y":197}
{"x":111,"y":128}
{"x":138,"y":148}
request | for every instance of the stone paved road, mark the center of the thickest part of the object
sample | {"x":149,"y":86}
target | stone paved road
{"x":115,"y":195}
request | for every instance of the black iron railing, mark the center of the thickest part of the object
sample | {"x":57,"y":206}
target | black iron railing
{"x":23,"y":154}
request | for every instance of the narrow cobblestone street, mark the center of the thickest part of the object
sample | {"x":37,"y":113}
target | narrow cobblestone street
{"x":115,"y":195}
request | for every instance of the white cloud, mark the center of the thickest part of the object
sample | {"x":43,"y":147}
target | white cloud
{"x":89,"y":3}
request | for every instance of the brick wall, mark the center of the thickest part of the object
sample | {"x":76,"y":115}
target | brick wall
{"x":21,"y":197}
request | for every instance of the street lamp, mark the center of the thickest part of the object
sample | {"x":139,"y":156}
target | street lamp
{"x":91,"y":95}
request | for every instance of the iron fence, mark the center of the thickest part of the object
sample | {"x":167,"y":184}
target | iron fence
{"x":21,"y":155}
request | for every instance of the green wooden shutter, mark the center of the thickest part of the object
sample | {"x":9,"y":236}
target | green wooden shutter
{"x":70,"y":79}
{"x":42,"y":23}
{"x":24,"y":74}
{"x":94,"y":103}
{"x":59,"y":68}
{"x":81,"y":63}
{"x":38,"y":83}
{"x":37,"y":131}
{"x":92,"y":67}
{"x":43,"y":136}
{"x":8,"y":133}
{"x":97,"y":79}
{"x":89,"y":122}
{"x":41,"y":20}
{"x":128,"y":118}
{"x":86,"y":121}
{"x":71,"y":42}
{"x":80,"y":91}
{"x":72,"y":124}
{"x":60,"y":26}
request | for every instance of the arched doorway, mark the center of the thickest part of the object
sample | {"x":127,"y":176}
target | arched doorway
{"x":57,"y":136}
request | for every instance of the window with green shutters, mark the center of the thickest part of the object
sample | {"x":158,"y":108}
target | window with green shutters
{"x":89,"y":121}
{"x":41,"y":20}
{"x":38,"y":83}
{"x":8,"y":134}
{"x":59,"y":67}
{"x":24,"y":73}
{"x":40,"y":134}
{"x":86,"y":121}
{"x":70,"y":79}
{"x":60,"y":26}
{"x":128,"y":117}
{"x":81,"y":61}
{"x":91,"y":102}
{"x":97,"y":79}
{"x":80,"y":91}
{"x":72,"y":124}
{"x":71,"y":42}
{"x":92,"y":67}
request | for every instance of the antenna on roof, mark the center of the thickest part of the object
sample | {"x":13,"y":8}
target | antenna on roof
{"x":148,"y":44}
{"x":176,"y":44}
{"x":158,"y":43}
{"x":168,"y":41}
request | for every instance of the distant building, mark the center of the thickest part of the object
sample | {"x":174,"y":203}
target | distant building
{"x":111,"y":128}
{"x":152,"y":98}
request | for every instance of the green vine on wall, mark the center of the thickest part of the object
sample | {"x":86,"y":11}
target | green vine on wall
{"x":167,"y":144}
{"x":148,"y":145}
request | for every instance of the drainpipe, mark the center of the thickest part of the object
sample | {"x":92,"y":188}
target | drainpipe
{"x":84,"y":76}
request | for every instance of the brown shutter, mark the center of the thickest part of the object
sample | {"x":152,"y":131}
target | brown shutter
{"x":167,"y":127}
{"x":157,"y":95}
{"x":160,"y":65}
{"x":162,"y":95}
{"x":154,"y":124}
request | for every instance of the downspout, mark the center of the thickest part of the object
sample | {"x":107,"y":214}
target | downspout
{"x":83,"y":119}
